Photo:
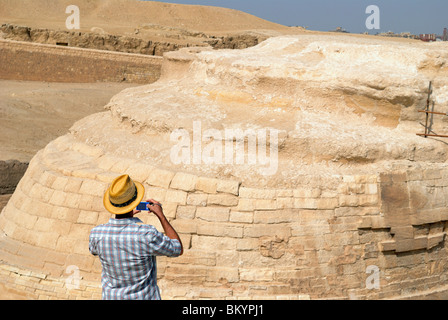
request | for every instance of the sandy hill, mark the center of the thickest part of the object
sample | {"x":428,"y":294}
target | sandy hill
{"x":124,"y":16}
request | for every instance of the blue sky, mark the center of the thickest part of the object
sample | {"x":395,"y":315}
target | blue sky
{"x":415,"y":16}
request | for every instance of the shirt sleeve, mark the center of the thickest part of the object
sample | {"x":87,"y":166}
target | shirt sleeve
{"x":161,"y":245}
{"x":93,"y":245}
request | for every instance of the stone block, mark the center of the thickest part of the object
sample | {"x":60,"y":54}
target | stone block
{"x":240,"y":216}
{"x":92,"y":187}
{"x":415,"y":175}
{"x":284,"y":193}
{"x":379,"y":222}
{"x":197,"y":199}
{"x":186,"y":212}
{"x":406,"y":245}
{"x":65,"y":214}
{"x":265,"y":204}
{"x":276,"y":216}
{"x":73,"y":185}
{"x":60,"y":183}
{"x":185,"y":225}
{"x":348,"y":200}
{"x":429,"y":174}
{"x":58,"y":198}
{"x":355,"y":188}
{"x":65,"y":244}
{"x":261,"y":230}
{"x":121,"y":166}
{"x":227,"y":258}
{"x":256,"y":274}
{"x":225,"y":200}
{"x":94,"y":152}
{"x":186,"y":240}
{"x":80,"y":231}
{"x":176,"y":196}
{"x":103,"y":217}
{"x":220,"y":274}
{"x":305,"y":203}
{"x":160,"y":178}
{"x":88,"y":217}
{"x":435,"y":239}
{"x":81,"y":261}
{"x":327,"y":203}
{"x":247,"y":244}
{"x":156,"y":193}
{"x":427,"y":216}
{"x":56,"y":258}
{"x":72,"y":200}
{"x":207,"y":185}
{"x":28,"y":221}
{"x":317,"y":229}
{"x":252,"y":193}
{"x":82,"y":247}
{"x":213,"y":214}
{"x":285,"y":203}
{"x":61,"y":227}
{"x":198,"y":257}
{"x":43,"y":224}
{"x":402,"y":232}
{"x":307,"y":192}
{"x":169,"y":209}
{"x":140,"y":172}
{"x":371,"y":188}
{"x":214,"y":244}
{"x":368,"y":200}
{"x":228,"y":186}
{"x":245,"y":205}
{"x":219,"y":229}
{"x":87,"y":202}
{"x":47,"y":178}
{"x":184,"y":181}
{"x":48,"y":240}
{"x":84,"y":172}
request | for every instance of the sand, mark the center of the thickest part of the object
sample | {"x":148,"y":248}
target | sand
{"x":34,"y":113}
{"x":123,"y":16}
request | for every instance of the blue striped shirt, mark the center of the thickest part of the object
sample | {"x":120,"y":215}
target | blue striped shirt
{"x":127,"y":251}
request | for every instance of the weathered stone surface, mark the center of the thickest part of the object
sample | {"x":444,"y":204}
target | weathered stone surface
{"x":354,"y":187}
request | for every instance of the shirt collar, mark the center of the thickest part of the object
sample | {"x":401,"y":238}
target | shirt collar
{"x":124,"y":221}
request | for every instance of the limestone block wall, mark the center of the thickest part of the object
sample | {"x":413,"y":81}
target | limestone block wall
{"x":319,"y":240}
{"x":42,"y":62}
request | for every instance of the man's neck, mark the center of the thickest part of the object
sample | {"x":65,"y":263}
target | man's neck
{"x":124,"y":216}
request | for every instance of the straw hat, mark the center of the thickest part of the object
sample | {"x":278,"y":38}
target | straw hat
{"x":123,"y":195}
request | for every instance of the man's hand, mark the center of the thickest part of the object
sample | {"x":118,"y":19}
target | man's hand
{"x":156,"y":208}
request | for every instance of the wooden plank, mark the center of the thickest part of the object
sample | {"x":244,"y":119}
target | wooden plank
{"x":431,"y":135}
{"x":432,"y":112}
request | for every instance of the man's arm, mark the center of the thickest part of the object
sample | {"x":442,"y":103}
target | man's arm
{"x":167,"y":227}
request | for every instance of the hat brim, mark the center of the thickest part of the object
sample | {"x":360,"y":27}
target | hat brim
{"x":123,"y":210}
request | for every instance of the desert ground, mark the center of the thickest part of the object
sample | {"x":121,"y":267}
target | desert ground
{"x":33,"y":113}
